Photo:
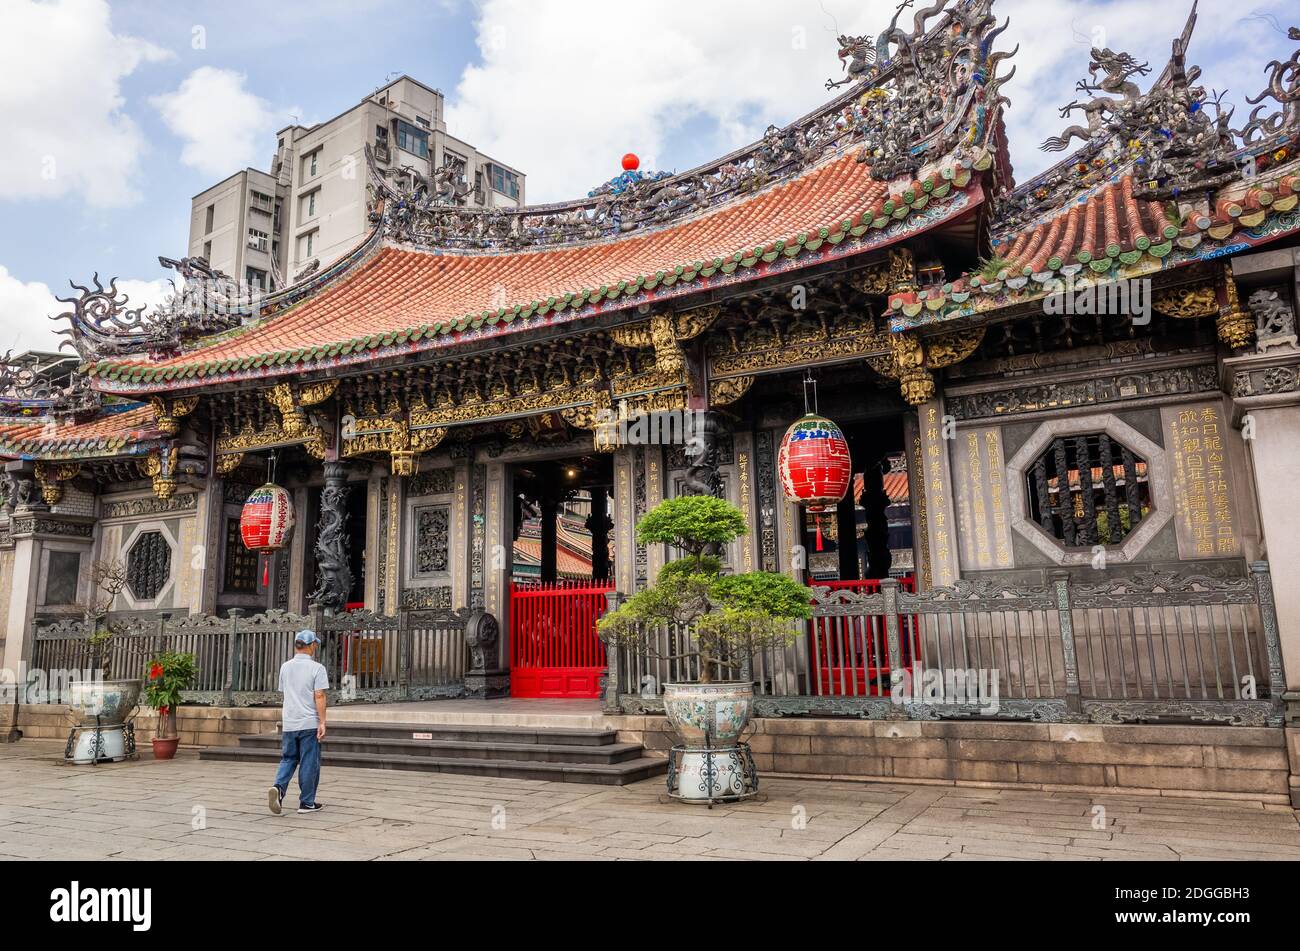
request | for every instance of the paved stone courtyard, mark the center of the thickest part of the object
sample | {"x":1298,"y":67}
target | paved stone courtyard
{"x":187,"y":809}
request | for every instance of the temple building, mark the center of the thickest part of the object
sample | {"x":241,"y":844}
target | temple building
{"x":1085,"y":382}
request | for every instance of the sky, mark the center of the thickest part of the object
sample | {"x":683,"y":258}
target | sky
{"x":115,"y":113}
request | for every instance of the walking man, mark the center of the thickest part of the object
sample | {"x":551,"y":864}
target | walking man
{"x":303,"y":683}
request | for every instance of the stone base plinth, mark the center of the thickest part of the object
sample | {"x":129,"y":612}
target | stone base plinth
{"x":487,"y":684}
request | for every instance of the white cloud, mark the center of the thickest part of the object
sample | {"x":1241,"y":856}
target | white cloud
{"x":563,"y":89}
{"x":224,"y":126}
{"x":26,"y":309}
{"x":61,"y":107}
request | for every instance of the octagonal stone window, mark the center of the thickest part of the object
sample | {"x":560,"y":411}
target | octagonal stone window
{"x":148,"y":566}
{"x":1088,"y":489}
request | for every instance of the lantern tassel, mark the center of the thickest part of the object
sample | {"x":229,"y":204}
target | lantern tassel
{"x":266,"y":571}
{"x":817,"y":520}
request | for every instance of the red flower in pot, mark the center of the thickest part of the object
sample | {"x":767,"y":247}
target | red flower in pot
{"x":170,"y":673}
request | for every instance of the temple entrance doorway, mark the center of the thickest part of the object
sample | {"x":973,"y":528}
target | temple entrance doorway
{"x":562,"y":570}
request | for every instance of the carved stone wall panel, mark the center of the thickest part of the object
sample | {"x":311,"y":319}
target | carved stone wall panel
{"x":980,"y":496}
{"x":766,"y":500}
{"x":1207,"y":512}
{"x":1104,"y":388}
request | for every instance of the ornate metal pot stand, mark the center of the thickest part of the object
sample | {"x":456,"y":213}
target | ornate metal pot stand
{"x":107,"y":743}
{"x":712,"y":775}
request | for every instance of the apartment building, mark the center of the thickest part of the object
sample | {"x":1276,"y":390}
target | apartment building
{"x":269,"y":227}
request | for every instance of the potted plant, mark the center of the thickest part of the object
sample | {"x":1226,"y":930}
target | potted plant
{"x":170,"y":673}
{"x":100,"y":701}
{"x":729,"y":617}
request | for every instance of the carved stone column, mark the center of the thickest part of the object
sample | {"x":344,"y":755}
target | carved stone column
{"x":333,"y":569}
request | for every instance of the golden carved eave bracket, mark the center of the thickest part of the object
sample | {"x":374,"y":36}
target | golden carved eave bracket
{"x":912,"y":360}
{"x":51,"y":476}
{"x":161,"y":467}
{"x":728,"y":391}
{"x":1235,"y":324}
{"x":292,"y":402}
{"x":170,"y":411}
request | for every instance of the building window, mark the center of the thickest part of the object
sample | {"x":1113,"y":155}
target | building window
{"x":148,"y":566}
{"x":255,"y":278}
{"x":241,"y":575}
{"x":207,"y":251}
{"x":306,"y":245}
{"x":61,"y":578}
{"x":505,"y":181}
{"x":309,"y":204}
{"x":431,"y":549}
{"x":410,"y":139}
{"x":309,"y":166}
{"x":1088,"y":490}
{"x":262,"y":202}
{"x":211,"y":219}
{"x":258,"y":240}
{"x":422,"y":121}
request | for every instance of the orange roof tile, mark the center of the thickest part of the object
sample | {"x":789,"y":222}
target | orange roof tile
{"x":403,"y":298}
{"x":127,"y":429}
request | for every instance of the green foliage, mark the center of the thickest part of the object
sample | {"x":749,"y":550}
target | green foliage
{"x":692,"y":523}
{"x":168,"y":674}
{"x":779,"y":596}
{"x":730,"y":615}
{"x":990,"y":268}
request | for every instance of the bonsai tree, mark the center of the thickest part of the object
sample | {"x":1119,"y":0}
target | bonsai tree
{"x":731,"y":616}
{"x":107,"y":579}
{"x":170,"y":672}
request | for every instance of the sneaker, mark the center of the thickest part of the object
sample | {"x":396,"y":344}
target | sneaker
{"x":314,"y":807}
{"x":275,"y":800}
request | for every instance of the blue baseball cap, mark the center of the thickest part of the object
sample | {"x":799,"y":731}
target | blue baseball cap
{"x":305,"y":638}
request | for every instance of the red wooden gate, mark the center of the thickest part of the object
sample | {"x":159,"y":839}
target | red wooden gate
{"x":554,"y":651}
{"x":851,"y":655}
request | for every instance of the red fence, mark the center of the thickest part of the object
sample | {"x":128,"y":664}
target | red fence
{"x":852,"y":658}
{"x":554,"y":651}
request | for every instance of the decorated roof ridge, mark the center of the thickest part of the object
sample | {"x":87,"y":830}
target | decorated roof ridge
{"x":1112,"y":236}
{"x":872,"y":221}
{"x":915,"y":100}
{"x":1165,"y":136}
{"x":916,"y":97}
{"x":129,"y":429}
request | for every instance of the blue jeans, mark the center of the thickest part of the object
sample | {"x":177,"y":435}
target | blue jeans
{"x":300,"y":750}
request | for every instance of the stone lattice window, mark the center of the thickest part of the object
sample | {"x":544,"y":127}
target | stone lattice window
{"x":1088,"y":490}
{"x":148,"y":566}
{"x":432,"y":551}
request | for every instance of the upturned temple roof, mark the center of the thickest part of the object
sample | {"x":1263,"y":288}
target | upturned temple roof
{"x":915,"y":140}
{"x":122,"y":429}
{"x":396,"y":299}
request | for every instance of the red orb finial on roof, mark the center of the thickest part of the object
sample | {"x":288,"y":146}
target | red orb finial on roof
{"x":630,"y":162}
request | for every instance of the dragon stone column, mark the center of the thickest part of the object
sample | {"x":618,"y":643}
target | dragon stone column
{"x":333,"y":569}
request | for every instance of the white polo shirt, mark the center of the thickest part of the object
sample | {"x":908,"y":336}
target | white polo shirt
{"x":300,"y":678}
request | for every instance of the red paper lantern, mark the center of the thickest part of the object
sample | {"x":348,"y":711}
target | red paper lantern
{"x":266,"y":523}
{"x":630,"y":162}
{"x":814,"y":466}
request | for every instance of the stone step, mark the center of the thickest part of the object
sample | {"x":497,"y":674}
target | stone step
{"x":474,"y":733}
{"x":404,"y":744}
{"x":607,"y":774}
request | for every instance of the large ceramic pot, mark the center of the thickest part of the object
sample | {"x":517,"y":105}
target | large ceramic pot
{"x":711,"y":717}
{"x":112,"y":701}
